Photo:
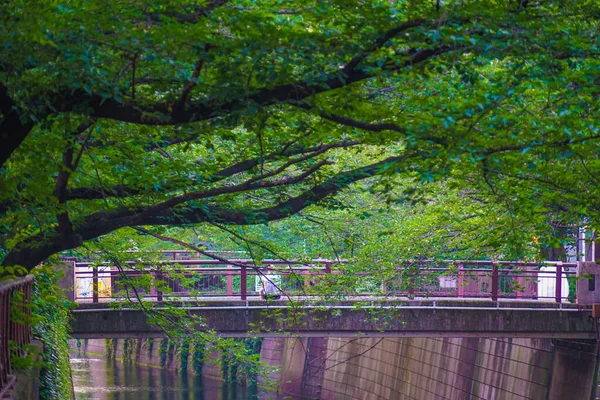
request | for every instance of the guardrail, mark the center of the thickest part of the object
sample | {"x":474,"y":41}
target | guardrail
{"x":206,"y":277}
{"x":15,"y":331}
{"x":237,"y":278}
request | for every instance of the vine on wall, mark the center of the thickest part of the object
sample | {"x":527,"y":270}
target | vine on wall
{"x":128,"y":346}
{"x":111,"y":348}
{"x":162,"y":350}
{"x":150,"y":347}
{"x":184,"y":354}
{"x":198,"y":357}
{"x":50,"y":309}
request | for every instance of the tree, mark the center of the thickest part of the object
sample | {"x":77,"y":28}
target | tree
{"x":232,"y":112}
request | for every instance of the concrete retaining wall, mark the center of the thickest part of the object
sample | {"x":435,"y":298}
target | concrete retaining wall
{"x":417,"y":368}
{"x":411,"y":368}
{"x":141,"y":351}
{"x":27,"y":386}
{"x":426,"y":368}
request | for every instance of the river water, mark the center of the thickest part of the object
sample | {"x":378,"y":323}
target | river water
{"x":100,"y":379}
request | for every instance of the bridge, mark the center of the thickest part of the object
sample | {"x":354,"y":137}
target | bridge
{"x":180,"y":274}
{"x":426,"y":298}
{"x":480,"y":298}
{"x":407,"y":318}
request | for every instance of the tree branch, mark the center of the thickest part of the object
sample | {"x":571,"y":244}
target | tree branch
{"x":165,"y":114}
{"x":12,"y":130}
{"x":37,"y":248}
{"x":69,"y":165}
{"x":86,"y":193}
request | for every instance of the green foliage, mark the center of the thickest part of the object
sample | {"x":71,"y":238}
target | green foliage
{"x":128,"y":349}
{"x":51,"y":311}
{"x":244,"y":128}
{"x":150,"y":343}
{"x":111,"y":348}
{"x":468,"y":130}
{"x":198,"y":357}
{"x":226,"y":367}
{"x":163,"y":351}
{"x":184,"y":354}
{"x":248,"y":371}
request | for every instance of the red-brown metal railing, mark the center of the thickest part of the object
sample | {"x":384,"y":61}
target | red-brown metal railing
{"x":212,"y":277}
{"x":15,"y":331}
{"x":208,"y":277}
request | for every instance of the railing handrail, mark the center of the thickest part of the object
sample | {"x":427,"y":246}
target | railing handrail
{"x":250,"y":262}
{"x":493,"y":274}
{"x":247,"y":262}
{"x":11,"y":283}
{"x":10,"y":330}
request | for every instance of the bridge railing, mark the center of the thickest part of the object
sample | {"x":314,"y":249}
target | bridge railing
{"x":184,"y":277}
{"x":178,"y":275}
{"x":486,"y":279}
{"x":15,"y":331}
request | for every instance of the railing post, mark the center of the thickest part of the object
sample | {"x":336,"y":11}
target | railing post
{"x":4,"y":324}
{"x":558,"y":285}
{"x":495,"y":282}
{"x":229,"y":281}
{"x":327,"y":268}
{"x":159,"y":293}
{"x":306,"y":274}
{"x":112,"y":288}
{"x":15,"y":295}
{"x":27,"y":302}
{"x":94,"y":284}
{"x":243,"y":291}
{"x":461,"y":281}
{"x":411,"y":286}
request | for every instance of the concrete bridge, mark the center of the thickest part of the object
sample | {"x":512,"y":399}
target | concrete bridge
{"x":479,"y":302}
{"x":406,"y":318}
{"x":479,"y":298}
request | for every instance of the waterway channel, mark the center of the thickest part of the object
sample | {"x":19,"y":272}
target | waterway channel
{"x":100,"y":379}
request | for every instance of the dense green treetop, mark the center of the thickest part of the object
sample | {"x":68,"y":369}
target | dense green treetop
{"x":117,"y":114}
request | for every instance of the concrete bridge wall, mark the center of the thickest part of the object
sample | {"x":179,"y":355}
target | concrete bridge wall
{"x":414,"y":320}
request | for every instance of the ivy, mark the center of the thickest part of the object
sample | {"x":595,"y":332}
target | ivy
{"x":163,"y":351}
{"x":128,"y":349}
{"x":184,"y":354}
{"x":51,"y":311}
{"x":150,"y":347}
{"x":198,"y":357}
{"x":111,"y":348}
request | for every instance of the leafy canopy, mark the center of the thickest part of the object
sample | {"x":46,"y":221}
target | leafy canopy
{"x":164,"y":113}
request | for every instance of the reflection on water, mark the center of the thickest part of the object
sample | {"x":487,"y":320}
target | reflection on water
{"x":100,"y":379}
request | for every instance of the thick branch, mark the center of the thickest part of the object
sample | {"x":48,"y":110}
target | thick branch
{"x":40,"y":247}
{"x":195,"y":75}
{"x":165,"y":114}
{"x":192,"y":17}
{"x":282,"y":210}
{"x":243,"y":166}
{"x":12,"y":130}
{"x":69,"y":165}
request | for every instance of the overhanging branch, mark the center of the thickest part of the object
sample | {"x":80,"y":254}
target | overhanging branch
{"x":37,"y":248}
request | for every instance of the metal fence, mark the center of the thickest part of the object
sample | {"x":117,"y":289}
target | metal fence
{"x":179,"y":275}
{"x":190,"y":277}
{"x":15,"y":331}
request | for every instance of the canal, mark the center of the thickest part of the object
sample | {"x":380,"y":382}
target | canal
{"x":100,"y":379}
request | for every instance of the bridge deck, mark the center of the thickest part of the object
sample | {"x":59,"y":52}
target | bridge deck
{"x":398,"y":318}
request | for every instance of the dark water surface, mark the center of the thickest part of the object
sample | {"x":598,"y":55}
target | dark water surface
{"x":100,"y":379}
